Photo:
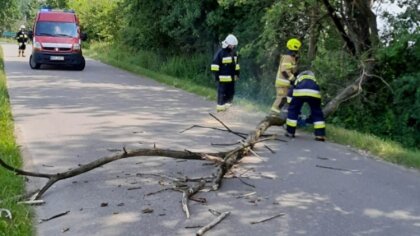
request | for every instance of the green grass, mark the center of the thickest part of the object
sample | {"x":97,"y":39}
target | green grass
{"x":119,"y":57}
{"x":10,"y":184}
{"x":386,"y":149}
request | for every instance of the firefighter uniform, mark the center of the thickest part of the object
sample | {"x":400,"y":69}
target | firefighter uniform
{"x":225,"y":67}
{"x":285,"y":75}
{"x":306,"y":90}
{"x":22,"y":39}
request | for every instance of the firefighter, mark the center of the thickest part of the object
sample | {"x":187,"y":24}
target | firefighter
{"x":22,"y":38}
{"x":285,"y":74}
{"x":306,"y":90}
{"x":225,"y":67}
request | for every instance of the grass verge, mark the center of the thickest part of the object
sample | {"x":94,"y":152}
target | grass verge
{"x":388,"y":150}
{"x":10,"y":184}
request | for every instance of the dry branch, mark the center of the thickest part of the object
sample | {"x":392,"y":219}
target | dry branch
{"x":212,"y":224}
{"x":186,"y":194}
{"x":53,"y":178}
{"x":264,"y":220}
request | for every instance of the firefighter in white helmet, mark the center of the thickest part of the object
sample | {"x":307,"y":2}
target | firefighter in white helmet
{"x":225,"y":67}
{"x":285,"y":75}
{"x":22,"y":39}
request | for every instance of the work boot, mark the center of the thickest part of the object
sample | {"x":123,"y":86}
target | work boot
{"x":320,"y":138}
{"x":220,"y":108}
{"x":289,"y":135}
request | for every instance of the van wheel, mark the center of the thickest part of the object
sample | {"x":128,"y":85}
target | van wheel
{"x":33,"y":64}
{"x":81,"y":66}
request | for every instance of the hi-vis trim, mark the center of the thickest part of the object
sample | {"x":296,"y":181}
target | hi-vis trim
{"x":215,"y":67}
{"x":236,"y":59}
{"x":306,"y":92}
{"x":282,"y":82}
{"x":288,"y":65}
{"x":225,"y":78}
{"x":291,"y":123}
{"x":319,"y":124}
{"x":226,"y":60}
{"x":289,"y":99}
{"x":305,"y":77}
{"x":237,"y":67}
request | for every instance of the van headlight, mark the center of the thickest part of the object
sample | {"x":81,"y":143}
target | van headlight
{"x":37,"y":45}
{"x":76,"y":46}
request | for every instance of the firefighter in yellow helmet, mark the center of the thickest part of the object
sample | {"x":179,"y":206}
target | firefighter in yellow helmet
{"x":285,"y":74}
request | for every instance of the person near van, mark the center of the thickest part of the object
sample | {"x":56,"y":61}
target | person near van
{"x":22,"y":39}
{"x":225,"y":67}
{"x":285,"y":74}
{"x":306,"y":90}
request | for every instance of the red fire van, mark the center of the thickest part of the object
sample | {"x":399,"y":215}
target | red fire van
{"x":57,"y":39}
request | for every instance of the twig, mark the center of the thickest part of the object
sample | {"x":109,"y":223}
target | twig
{"x":243,"y":181}
{"x":33,"y":202}
{"x":332,"y":168}
{"x":186,"y":194}
{"x":212,"y":224}
{"x":264,"y":220}
{"x":224,"y":144}
{"x":159,"y":191}
{"x":134,"y":188}
{"x":55,"y":216}
{"x":7,"y":212}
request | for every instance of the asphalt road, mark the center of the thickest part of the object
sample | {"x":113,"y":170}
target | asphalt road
{"x":65,"y":118}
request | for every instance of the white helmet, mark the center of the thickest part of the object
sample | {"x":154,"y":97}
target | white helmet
{"x":230,"y":40}
{"x":22,"y":27}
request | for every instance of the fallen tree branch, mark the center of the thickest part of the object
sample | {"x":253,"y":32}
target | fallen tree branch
{"x":53,"y":178}
{"x":213,"y":223}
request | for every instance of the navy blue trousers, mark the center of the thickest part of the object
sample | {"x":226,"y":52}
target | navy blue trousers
{"x":316,"y":114}
{"x":225,"y":92}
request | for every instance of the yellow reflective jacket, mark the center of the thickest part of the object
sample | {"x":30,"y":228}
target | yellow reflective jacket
{"x":286,"y":70}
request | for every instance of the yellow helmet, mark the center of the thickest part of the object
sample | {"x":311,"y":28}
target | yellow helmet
{"x":294,"y":44}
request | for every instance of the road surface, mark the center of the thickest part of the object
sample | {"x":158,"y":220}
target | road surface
{"x":65,"y":118}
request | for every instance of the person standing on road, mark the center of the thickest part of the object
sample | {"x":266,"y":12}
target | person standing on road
{"x":306,"y":90}
{"x":285,"y":74}
{"x":22,"y":38}
{"x":225,"y":67}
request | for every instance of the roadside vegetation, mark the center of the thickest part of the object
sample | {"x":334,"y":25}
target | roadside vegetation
{"x":11,"y":185}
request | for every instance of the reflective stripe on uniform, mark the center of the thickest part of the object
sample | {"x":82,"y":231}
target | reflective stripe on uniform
{"x":282,"y":82}
{"x":319,"y":124}
{"x":305,"y":77}
{"x":237,"y":67}
{"x":273,"y":109}
{"x":225,"y":78}
{"x":291,"y":123}
{"x":236,"y":59}
{"x":306,"y":92}
{"x":289,"y":99}
{"x":226,"y":60}
{"x":214,"y":67}
{"x":288,"y":65}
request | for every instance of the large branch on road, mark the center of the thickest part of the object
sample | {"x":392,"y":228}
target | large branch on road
{"x":53,"y":178}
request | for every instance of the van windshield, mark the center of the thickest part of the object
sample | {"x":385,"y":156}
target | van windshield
{"x":56,"y":29}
